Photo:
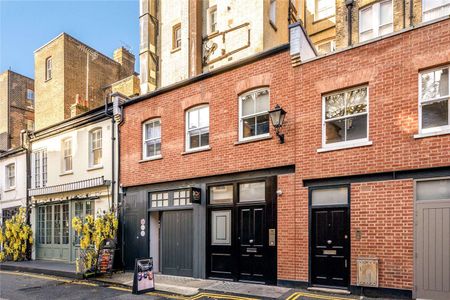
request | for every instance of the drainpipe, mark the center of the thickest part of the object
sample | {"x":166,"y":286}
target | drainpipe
{"x":25,"y":144}
{"x":112,"y":153}
{"x":404,"y":13}
{"x":349,"y":5}
{"x":411,"y":14}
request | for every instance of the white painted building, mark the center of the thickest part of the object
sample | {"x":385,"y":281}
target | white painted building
{"x":13,"y":182}
{"x":72,"y":175}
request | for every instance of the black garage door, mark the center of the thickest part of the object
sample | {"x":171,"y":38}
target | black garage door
{"x":176,"y":242}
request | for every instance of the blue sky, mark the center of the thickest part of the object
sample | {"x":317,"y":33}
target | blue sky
{"x":25,"y":25}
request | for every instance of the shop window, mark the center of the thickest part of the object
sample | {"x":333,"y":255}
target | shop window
{"x":159,"y":200}
{"x":221,"y":227}
{"x":221,"y":194}
{"x":345,"y":120}
{"x":375,"y":20}
{"x":255,"y":191}
{"x":95,"y":147}
{"x":324,"y":9}
{"x":433,"y":101}
{"x":254,"y":114}
{"x":434,"y":9}
{"x":152,"y":139}
{"x":197,"y":128}
{"x":329,"y":196}
{"x":10,"y":176}
{"x":433,"y":190}
{"x":181,"y":197}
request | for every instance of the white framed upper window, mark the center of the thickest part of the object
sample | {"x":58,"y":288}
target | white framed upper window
{"x":48,"y":68}
{"x":30,"y":95}
{"x":67,"y":155}
{"x":434,"y":96}
{"x":197,"y":127}
{"x":434,"y":9}
{"x":273,"y":11}
{"x":254,"y":114}
{"x":375,"y":20}
{"x":326,"y":47}
{"x":345,"y":117}
{"x":152,"y":139}
{"x":10,"y":176}
{"x":95,"y":147}
{"x":324,"y":9}
{"x":212,"y":19}
{"x":39,"y":168}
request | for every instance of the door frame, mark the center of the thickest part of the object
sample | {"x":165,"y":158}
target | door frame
{"x":310,"y":210}
{"x":270,"y":206}
{"x":415,"y":225}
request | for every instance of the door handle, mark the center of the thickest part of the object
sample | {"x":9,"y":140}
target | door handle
{"x":329,"y":242}
{"x":251,"y":241}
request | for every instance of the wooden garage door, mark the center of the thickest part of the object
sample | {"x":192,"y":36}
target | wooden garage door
{"x":176,"y":242}
{"x":432,"y":241}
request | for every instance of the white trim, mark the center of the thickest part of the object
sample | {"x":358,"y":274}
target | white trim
{"x":344,"y":144}
{"x":197,"y":108}
{"x":376,"y":20}
{"x":316,"y":11}
{"x":63,"y":152}
{"x":240,"y":120}
{"x":154,"y":157}
{"x":209,"y":12}
{"x":430,"y":134}
{"x":144,"y":141}
{"x":91,"y":165}
{"x":9,"y":187}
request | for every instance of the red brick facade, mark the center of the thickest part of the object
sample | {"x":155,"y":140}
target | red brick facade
{"x":382,"y":211}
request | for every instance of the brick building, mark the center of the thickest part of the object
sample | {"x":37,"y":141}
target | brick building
{"x":16,"y":108}
{"x":347,"y":201}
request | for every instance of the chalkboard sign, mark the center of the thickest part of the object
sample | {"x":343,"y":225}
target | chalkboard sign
{"x":105,"y":257}
{"x":143,"y":280}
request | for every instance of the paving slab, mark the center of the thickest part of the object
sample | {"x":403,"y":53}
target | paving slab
{"x":47,"y":267}
{"x":248,"y":289}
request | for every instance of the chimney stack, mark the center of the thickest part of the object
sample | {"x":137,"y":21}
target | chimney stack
{"x":126,"y":59}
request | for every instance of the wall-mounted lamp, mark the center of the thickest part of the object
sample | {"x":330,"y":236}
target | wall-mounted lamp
{"x":277,"y":116}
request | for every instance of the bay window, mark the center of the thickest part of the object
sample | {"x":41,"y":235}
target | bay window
{"x":375,"y":20}
{"x":197,"y":127}
{"x":254,"y":114}
{"x":433,"y":100}
{"x":345,"y":117}
{"x":152,"y":139}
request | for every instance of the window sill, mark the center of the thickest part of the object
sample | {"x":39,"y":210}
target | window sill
{"x":10,"y":189}
{"x":346,"y":146}
{"x":190,"y":151}
{"x":175,"y":50}
{"x":273,"y":25}
{"x":66,"y":173}
{"x":255,"y":139}
{"x":430,"y":134}
{"x":315,"y":21}
{"x":156,"y":157}
{"x":92,"y":168}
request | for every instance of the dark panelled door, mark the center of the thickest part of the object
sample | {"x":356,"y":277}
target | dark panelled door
{"x":251,"y":243}
{"x":176,"y":242}
{"x":330,"y":247}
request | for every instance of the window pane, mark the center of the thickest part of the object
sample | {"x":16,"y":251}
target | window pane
{"x":263,"y":124}
{"x":330,"y":196}
{"x":367,"y":35}
{"x":248,"y":105}
{"x":356,"y":127}
{"x":357,"y":101}
{"x":255,"y":191}
{"x":335,"y":131}
{"x":435,"y":114}
{"x":385,"y":12}
{"x":48,"y":225}
{"x":221,"y":227}
{"x":57,"y":230}
{"x":334,"y":106}
{"x":194,"y":140}
{"x":204,"y":139}
{"x":262,"y":101}
{"x":221,"y":194}
{"x":435,"y":84}
{"x":204,"y":117}
{"x":433,"y":190}
{"x":65,"y":224}
{"x":193,"y":119}
{"x":248,"y":127}
{"x":366,"y":19}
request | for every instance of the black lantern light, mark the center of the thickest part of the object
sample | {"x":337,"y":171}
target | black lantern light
{"x":277,"y":116}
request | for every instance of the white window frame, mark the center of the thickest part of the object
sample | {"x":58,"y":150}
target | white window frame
{"x":445,"y":6}
{"x":344,"y":144}
{"x":316,"y":11}
{"x":144,"y":140}
{"x":433,"y":130}
{"x":332,"y":44}
{"x":211,"y":10}
{"x":41,"y":154}
{"x":66,"y":154}
{"x":48,"y":68}
{"x":92,"y":133}
{"x":273,"y":12}
{"x":376,"y":16}
{"x":241,"y":117}
{"x":8,"y":176}
{"x":188,"y":131}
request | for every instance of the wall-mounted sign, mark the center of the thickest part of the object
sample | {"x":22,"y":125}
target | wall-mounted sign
{"x":196,"y":195}
{"x":143,"y":280}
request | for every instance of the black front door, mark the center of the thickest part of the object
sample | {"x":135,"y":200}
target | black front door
{"x":251,"y":243}
{"x":330,"y":247}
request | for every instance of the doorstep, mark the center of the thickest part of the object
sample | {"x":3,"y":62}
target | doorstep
{"x":188,"y":286}
{"x":330,"y":290}
{"x":48,"y":267}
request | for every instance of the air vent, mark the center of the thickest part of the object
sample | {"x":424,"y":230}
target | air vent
{"x":367,"y":272}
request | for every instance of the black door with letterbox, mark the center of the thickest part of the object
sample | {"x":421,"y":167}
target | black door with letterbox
{"x":330,"y":247}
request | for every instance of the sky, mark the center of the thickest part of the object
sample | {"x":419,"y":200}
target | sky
{"x":26,"y":25}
